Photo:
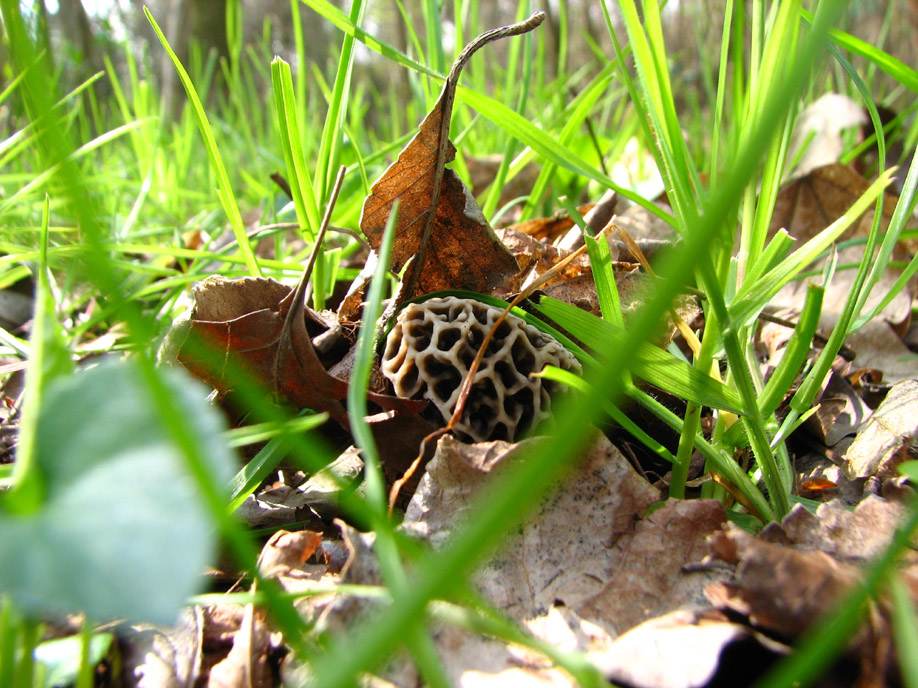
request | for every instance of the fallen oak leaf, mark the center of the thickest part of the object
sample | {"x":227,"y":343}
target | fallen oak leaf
{"x":439,"y":223}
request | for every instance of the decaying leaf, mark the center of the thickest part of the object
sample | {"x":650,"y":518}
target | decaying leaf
{"x":780,"y":589}
{"x":797,"y":572}
{"x":817,"y":138}
{"x":262,"y":329}
{"x":809,"y":204}
{"x":858,"y":535}
{"x":889,"y":437}
{"x":439,"y":223}
{"x":248,"y":662}
{"x":584,"y":549}
{"x":649,"y":576}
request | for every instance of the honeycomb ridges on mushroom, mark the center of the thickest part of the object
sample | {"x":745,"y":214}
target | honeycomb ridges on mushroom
{"x":432,"y":344}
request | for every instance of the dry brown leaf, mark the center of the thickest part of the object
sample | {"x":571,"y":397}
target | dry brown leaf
{"x":778,"y":588}
{"x":785,"y":591}
{"x":439,"y":223}
{"x":649,"y":578}
{"x":155,"y":657}
{"x":879,"y":348}
{"x":888,"y":438}
{"x":809,"y":204}
{"x":566,"y":552}
{"x":841,"y":412}
{"x":547,"y":229}
{"x":265,"y":329}
{"x":857,"y":535}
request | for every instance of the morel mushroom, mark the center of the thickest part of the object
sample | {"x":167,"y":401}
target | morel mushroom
{"x":432,"y":344}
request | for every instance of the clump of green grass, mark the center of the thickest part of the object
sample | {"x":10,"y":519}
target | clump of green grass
{"x":118,"y":204}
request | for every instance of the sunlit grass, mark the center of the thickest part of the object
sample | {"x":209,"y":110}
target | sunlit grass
{"x":127,"y":208}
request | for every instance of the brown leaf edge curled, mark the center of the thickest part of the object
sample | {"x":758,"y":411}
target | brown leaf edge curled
{"x":466,"y":253}
{"x":272,"y":344}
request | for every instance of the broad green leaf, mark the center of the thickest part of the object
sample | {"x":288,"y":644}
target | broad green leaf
{"x":123,"y":531}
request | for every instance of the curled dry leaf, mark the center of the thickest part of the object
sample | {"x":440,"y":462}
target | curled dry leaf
{"x":887,"y":439}
{"x":857,"y":535}
{"x":264,"y":330}
{"x":797,"y":572}
{"x":779,"y":589}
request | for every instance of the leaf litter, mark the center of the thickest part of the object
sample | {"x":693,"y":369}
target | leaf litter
{"x":654,"y":593}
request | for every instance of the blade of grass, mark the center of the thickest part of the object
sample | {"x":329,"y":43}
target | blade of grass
{"x":227,"y":198}
{"x":905,"y":630}
{"x":752,"y":297}
{"x":420,"y":643}
{"x":49,"y":358}
{"x":650,"y":363}
{"x":333,"y":129}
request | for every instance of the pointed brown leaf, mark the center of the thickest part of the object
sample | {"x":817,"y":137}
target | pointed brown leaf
{"x":439,"y":223}
{"x":463,"y":251}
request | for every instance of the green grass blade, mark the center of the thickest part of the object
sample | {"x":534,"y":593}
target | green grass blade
{"x":333,"y":129}
{"x":752,"y":297}
{"x":225,"y":192}
{"x":905,"y":630}
{"x":898,"y":70}
{"x":795,"y":352}
{"x":250,"y":476}
{"x":49,"y":358}
{"x":652,"y":364}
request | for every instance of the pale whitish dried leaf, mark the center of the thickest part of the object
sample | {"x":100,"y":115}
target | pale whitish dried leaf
{"x":792,"y":297}
{"x":157,"y":657}
{"x":886,"y":439}
{"x":566,"y":551}
{"x":246,"y":665}
{"x":682,"y":649}
{"x":475,"y":661}
{"x":878,"y":347}
{"x":819,"y":127}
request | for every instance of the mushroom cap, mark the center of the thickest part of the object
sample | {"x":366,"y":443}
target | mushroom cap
{"x":432,"y":344}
